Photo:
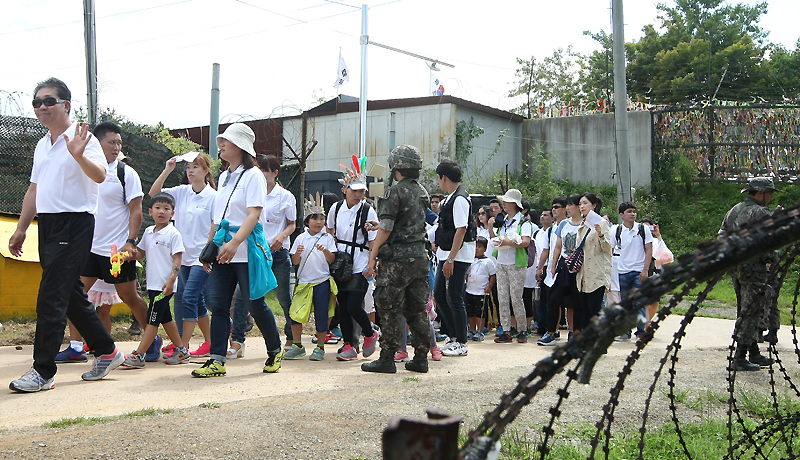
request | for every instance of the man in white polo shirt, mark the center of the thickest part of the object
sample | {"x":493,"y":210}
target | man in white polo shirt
{"x":634,"y":243}
{"x":68,"y":165}
{"x":117,"y":222}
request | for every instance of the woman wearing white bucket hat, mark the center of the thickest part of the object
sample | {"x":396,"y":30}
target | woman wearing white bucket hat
{"x":512,"y":241}
{"x":236,"y":210}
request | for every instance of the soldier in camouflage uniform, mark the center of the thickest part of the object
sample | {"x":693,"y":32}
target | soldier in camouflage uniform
{"x":750,"y":279}
{"x":402,"y":273}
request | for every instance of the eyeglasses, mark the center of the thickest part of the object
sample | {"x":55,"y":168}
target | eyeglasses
{"x":557,"y":207}
{"x":48,"y":101}
{"x":481,"y":213}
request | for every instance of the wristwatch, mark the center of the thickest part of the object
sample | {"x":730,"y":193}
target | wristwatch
{"x":450,"y":260}
{"x":131,"y":241}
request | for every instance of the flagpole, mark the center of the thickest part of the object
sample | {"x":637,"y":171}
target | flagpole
{"x":362,"y":100}
{"x":337,"y":66}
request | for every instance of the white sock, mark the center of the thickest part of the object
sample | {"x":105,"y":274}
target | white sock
{"x":76,"y":345}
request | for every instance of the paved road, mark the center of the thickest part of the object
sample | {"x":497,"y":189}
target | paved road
{"x":159,"y":385}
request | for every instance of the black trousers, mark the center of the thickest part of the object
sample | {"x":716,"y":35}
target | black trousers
{"x":65,"y":240}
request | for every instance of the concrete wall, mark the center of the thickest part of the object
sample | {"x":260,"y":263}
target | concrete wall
{"x":582,"y":149}
{"x":483,"y":158}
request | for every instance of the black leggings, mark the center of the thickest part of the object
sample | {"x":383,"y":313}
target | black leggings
{"x":564,"y":293}
{"x":351,"y":307}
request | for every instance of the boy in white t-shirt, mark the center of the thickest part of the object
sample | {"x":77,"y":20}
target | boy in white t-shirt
{"x":163,"y":246}
{"x":481,"y":277}
{"x":312,"y":251}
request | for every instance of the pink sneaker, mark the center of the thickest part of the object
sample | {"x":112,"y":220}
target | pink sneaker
{"x":348,"y":353}
{"x":203,"y":350}
{"x":168,"y":348}
{"x":369,"y":345}
{"x":401,"y":356}
{"x":436,"y":353}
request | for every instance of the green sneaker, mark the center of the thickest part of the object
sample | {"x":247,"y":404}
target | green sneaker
{"x":295,"y":352}
{"x":317,"y":355}
{"x":273,"y":363}
{"x":210,"y":369}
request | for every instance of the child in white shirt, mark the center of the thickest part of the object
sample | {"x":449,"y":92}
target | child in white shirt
{"x":312,"y":251}
{"x":481,"y":276}
{"x":163,"y":246}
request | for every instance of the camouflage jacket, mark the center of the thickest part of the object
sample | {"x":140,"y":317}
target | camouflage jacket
{"x":402,"y":212}
{"x":755,"y":271}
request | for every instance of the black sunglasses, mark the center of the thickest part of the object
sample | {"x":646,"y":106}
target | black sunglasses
{"x":557,"y":207}
{"x":48,"y":101}
{"x":481,"y":213}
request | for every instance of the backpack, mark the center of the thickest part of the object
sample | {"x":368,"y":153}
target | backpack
{"x":652,"y":268}
{"x":532,"y":250}
{"x":121,"y":176}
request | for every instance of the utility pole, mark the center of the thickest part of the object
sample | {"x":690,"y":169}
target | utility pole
{"x":214,"y":124}
{"x":362,"y":100}
{"x":621,"y":106}
{"x":91,"y":60}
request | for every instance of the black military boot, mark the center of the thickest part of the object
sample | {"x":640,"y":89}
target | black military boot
{"x":418,"y":365}
{"x":757,"y":358}
{"x":771,"y":337}
{"x":740,"y":363}
{"x":382,"y":365}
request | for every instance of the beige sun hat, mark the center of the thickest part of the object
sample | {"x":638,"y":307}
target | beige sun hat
{"x":241,"y":135}
{"x":513,"y":195}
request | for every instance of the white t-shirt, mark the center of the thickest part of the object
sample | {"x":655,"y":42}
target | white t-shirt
{"x":280,"y":207}
{"x":478,"y":275}
{"x":631,"y":250}
{"x":542,"y":243}
{"x":61,"y":184}
{"x":549,"y":280}
{"x":344,"y":231}
{"x":614,"y":273}
{"x":460,"y":219}
{"x":111,"y":223}
{"x":509,"y":256}
{"x":315,"y":268}
{"x":159,"y":247}
{"x":192,"y":219}
{"x":568,"y":232}
{"x":250,"y":193}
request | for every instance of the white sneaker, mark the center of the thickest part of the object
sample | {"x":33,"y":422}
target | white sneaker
{"x":456,"y":349}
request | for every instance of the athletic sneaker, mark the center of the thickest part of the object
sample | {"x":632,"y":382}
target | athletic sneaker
{"x":179,"y":355}
{"x":503,"y":338}
{"x":331,"y":338}
{"x":317,"y":355}
{"x":369,"y":344}
{"x":273,"y":362}
{"x":547,"y":340}
{"x":499,"y":331}
{"x":134,"y":360}
{"x":69,"y":355}
{"x":154,"y":351}
{"x":168,"y":348}
{"x":135,"y":329}
{"x":104,"y":364}
{"x":522,"y":337}
{"x":478,"y":337}
{"x":626,"y":337}
{"x":203,"y":350}
{"x":348,"y":353}
{"x":31,"y":382}
{"x":211,"y":368}
{"x":470,"y":334}
{"x":401,"y":356}
{"x":295,"y":352}
{"x":456,"y":349}
{"x":436,"y":354}
{"x":337,"y":332}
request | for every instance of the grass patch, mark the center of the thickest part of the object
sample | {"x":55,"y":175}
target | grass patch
{"x":210,"y":405}
{"x":411,"y":379}
{"x":86,"y":421}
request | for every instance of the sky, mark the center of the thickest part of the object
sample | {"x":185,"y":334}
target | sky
{"x":277,"y":58}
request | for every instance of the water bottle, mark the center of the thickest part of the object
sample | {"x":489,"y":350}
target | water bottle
{"x":370,"y":280}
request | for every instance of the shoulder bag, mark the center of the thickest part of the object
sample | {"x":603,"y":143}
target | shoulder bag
{"x":209,"y":253}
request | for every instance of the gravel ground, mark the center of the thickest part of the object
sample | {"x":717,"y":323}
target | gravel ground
{"x":346,"y":422}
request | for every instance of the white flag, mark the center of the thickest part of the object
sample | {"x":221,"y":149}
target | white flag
{"x":344,"y":75}
{"x":437,"y":89}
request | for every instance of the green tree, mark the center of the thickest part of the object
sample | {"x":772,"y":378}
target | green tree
{"x":598,"y":81}
{"x":784,"y":79}
{"x":555,"y":78}
{"x":701,"y":45}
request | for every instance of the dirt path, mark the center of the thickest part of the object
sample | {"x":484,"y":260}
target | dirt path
{"x":331,"y":409}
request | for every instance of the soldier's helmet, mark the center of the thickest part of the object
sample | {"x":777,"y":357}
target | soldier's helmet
{"x":405,"y":157}
{"x":760,"y":184}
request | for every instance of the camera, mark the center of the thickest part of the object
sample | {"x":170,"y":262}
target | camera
{"x":498,"y":220}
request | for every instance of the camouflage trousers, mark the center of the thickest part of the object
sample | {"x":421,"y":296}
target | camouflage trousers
{"x":771,"y":316}
{"x":750,"y":301}
{"x":402,"y":290}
